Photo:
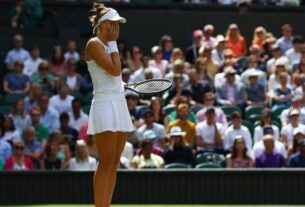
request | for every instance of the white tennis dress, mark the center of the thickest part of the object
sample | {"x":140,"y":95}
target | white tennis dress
{"x":109,"y":110}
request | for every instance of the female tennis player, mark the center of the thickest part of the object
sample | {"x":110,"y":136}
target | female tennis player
{"x":109,"y":119}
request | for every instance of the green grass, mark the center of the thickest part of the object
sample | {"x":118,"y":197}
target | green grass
{"x":161,"y":206}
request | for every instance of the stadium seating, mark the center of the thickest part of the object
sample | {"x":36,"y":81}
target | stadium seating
{"x":176,"y":165}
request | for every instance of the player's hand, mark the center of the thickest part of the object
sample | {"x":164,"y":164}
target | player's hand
{"x":114,"y":31}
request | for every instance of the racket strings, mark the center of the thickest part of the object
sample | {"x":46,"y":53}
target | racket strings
{"x":153,"y":86}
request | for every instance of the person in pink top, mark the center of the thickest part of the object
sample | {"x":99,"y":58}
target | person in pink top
{"x":157,"y":61}
{"x":57,"y":62}
{"x":235,"y":41}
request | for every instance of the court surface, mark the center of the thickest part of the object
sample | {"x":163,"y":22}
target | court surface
{"x":59,"y":205}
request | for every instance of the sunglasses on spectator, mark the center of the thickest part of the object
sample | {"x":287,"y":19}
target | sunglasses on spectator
{"x":19,"y":147}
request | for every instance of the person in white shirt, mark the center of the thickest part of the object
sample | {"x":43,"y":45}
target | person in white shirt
{"x":32,"y":63}
{"x":139,"y":75}
{"x":77,"y":116}
{"x":236,"y":129}
{"x":209,"y":133}
{"x":218,"y":51}
{"x":63,"y":101}
{"x":220,"y":78}
{"x":71,"y":53}
{"x":9,"y":132}
{"x":82,"y":161}
{"x":208,"y":38}
{"x":294,"y":54}
{"x":287,"y":131}
{"x":178,"y":68}
{"x":296,"y":103}
{"x":276,"y":54}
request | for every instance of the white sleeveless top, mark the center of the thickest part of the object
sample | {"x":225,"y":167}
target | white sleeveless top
{"x":103,"y":82}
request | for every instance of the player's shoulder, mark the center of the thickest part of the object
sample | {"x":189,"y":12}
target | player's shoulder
{"x":92,"y":42}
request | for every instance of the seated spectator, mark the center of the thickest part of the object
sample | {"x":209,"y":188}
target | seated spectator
{"x":298,"y":135}
{"x":77,"y":117}
{"x":32,"y":63}
{"x":51,"y":162}
{"x":57,"y":62}
{"x":208,"y":38}
{"x":209,"y":133}
{"x":92,"y":150}
{"x":5,"y":150}
{"x":44,"y":78}
{"x":152,"y":137}
{"x":18,"y":161}
{"x":296,"y":103}
{"x":286,"y":41}
{"x":82,"y":134}
{"x":298,"y":159}
{"x":16,"y":81}
{"x":166,"y":45}
{"x":62,"y":102}
{"x":283,"y":93}
{"x":293,"y":54}
{"x":187,"y":126}
{"x":220,"y":78}
{"x":126,"y":75}
{"x":259,"y":146}
{"x":237,"y":129}
{"x":197,"y":88}
{"x":32,"y":148}
{"x":82,"y":161}
{"x":71,"y":51}
{"x":238,"y":158}
{"x":252,"y":66}
{"x":68,"y":131}
{"x":298,"y":76}
{"x":208,"y":101}
{"x":212,"y":66}
{"x":276,"y":54}
{"x":178,"y":69}
{"x":191,"y":52}
{"x":8,"y":130}
{"x":259,"y":36}
{"x":32,"y":99}
{"x":18,"y":53}
{"x":218,"y":51}
{"x":176,"y":91}
{"x":235,"y":41}
{"x":230,"y":93}
{"x":287,"y":131}
{"x":20,"y":117}
{"x":269,"y":158}
{"x":41,"y":131}
{"x":157,"y":61}
{"x":136,"y":59}
{"x":132,"y":101}
{"x":149,"y":124}
{"x":123,"y":51}
{"x":71,"y":78}
{"x":201,"y":69}
{"x":49,"y":116}
{"x":265,"y":121}
{"x":139,"y":75}
{"x":255,"y":93}
{"x":147,"y":159}
{"x":176,"y":151}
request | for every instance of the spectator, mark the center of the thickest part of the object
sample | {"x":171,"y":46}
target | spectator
{"x":283,"y":93}
{"x":197,"y":88}
{"x":253,"y":67}
{"x":178,"y":68}
{"x":176,"y":151}
{"x":166,"y":45}
{"x":235,"y":41}
{"x":82,"y":161}
{"x":265,"y":121}
{"x":44,"y":78}
{"x":123,"y":51}
{"x":82,"y":134}
{"x":208,"y":101}
{"x":19,"y":116}
{"x":191,"y":53}
{"x":208,"y":38}
{"x":32,"y":99}
{"x":296,"y":101}
{"x":238,"y":158}
{"x":77,"y":116}
{"x":57,"y":64}
{"x":18,"y":161}
{"x":32,"y":63}
{"x":92,"y":150}
{"x":68,"y":131}
{"x":270,"y":158}
{"x":17,"y":53}
{"x":132,"y":101}
{"x":16,"y":81}
{"x":149,"y":124}
{"x":187,"y":126}
{"x":150,"y":136}
{"x":276,"y":54}
{"x":287,"y":131}
{"x":147,"y":159}
{"x":8,"y":130}
{"x":5,"y":150}
{"x":220,"y":78}
{"x":126,"y":77}
{"x":41,"y":131}
{"x":230,"y":93}
{"x":302,"y":54}
{"x":298,"y":135}
{"x":237,"y":129}
{"x":71,"y":51}
{"x":176,"y":55}
{"x":32,"y":148}
{"x":293,"y":54}
{"x":177,"y":91}
{"x":139,"y":75}
{"x":212,"y":66}
{"x":49,"y":116}
{"x":62,"y":102}
{"x":298,"y":77}
{"x":209,"y":133}
{"x":82,"y":67}
{"x":62,"y":149}
{"x":157,"y":61}
{"x":286,"y":41}
{"x":136,"y":59}
{"x":201,"y":69}
{"x":298,"y":159}
{"x":259,"y":36}
{"x":51,"y":162}
{"x":218,"y":51}
{"x":71,"y":78}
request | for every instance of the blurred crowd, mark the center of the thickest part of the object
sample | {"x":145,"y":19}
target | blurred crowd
{"x":231,"y":105}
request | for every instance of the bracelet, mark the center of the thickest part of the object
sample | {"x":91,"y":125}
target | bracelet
{"x":113,"y":47}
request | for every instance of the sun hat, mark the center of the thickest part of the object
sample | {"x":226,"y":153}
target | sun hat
{"x":176,"y":131}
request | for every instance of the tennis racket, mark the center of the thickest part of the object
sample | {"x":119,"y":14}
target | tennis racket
{"x":150,"y":87}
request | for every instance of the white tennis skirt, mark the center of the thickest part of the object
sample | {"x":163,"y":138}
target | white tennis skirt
{"x":109,"y":112}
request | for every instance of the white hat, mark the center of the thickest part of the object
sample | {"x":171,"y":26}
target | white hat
{"x":155,"y":49}
{"x":298,"y":130}
{"x":176,"y":131}
{"x":208,"y":27}
{"x":253,"y":72}
{"x":282,"y":61}
{"x":219,"y":39}
{"x":149,"y":134}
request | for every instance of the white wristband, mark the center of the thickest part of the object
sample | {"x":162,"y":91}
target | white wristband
{"x":113,"y":47}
